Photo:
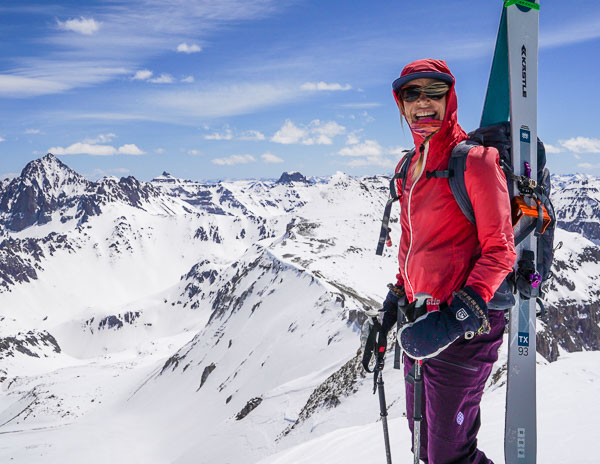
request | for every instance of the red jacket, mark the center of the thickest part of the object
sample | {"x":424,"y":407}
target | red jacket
{"x":440,"y":250}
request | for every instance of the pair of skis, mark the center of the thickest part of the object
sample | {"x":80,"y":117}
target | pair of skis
{"x":512,"y":90}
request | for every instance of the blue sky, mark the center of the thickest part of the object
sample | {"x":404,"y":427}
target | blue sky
{"x":219,"y":89}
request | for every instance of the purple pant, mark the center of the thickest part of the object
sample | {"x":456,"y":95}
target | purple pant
{"x":453,"y":384}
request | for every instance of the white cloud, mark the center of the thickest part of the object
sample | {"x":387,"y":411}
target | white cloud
{"x":551,"y":148}
{"x":102,"y":138}
{"x":86,"y":26}
{"x":312,"y":86}
{"x":188,"y":79}
{"x":217,"y":136}
{"x":271,"y":158}
{"x":589,"y":165}
{"x":366,"y":148}
{"x":142,"y":75}
{"x":252,"y":135}
{"x":194,"y":152}
{"x":577,"y":157}
{"x":33,"y":131}
{"x":315,"y":133}
{"x":160,"y":151}
{"x":216,"y":101}
{"x":185,"y":48}
{"x":21,"y":86}
{"x":164,"y":78}
{"x":2,"y":139}
{"x":581,"y":145}
{"x":289,"y":133}
{"x":397,"y":151}
{"x":234,"y":159}
{"x":89,"y":147}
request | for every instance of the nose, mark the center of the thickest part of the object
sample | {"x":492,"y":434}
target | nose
{"x":423,"y":97}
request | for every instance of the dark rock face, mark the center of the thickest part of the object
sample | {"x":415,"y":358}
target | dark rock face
{"x":341,"y":383}
{"x":578,"y":207}
{"x":113,"y":322}
{"x":289,"y":177}
{"x":251,"y":405}
{"x":32,"y":197}
{"x":20,"y":259}
{"x":40,"y":191}
{"x":28,"y":344}
{"x":207,"y":371}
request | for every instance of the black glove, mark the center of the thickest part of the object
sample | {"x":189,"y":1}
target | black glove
{"x":430,"y":335}
{"x":395,"y":299}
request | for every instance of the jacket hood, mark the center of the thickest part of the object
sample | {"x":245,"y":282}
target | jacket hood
{"x":450,"y":133}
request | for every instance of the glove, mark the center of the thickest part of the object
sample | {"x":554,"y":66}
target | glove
{"x":396,"y":298}
{"x":373,"y":334}
{"x":433,"y":332}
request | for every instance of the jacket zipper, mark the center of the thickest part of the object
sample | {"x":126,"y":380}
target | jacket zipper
{"x":425,"y":153}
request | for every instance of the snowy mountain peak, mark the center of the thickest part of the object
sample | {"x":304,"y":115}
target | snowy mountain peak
{"x":51,"y":175}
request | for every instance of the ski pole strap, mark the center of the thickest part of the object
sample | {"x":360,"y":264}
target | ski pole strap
{"x":370,"y":345}
{"x":384,"y":234}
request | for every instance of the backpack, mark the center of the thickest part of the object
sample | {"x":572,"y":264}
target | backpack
{"x":499,"y":137}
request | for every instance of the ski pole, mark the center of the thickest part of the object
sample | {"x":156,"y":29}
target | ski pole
{"x":417,"y":415}
{"x":383,"y":414}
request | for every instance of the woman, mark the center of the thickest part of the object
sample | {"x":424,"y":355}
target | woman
{"x":459,"y":264}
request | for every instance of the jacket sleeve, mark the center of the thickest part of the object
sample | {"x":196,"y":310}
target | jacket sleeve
{"x":487,"y":189}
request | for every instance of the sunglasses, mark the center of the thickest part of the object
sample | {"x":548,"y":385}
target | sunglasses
{"x":435,"y":91}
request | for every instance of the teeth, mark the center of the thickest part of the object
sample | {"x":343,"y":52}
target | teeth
{"x":424,"y":115}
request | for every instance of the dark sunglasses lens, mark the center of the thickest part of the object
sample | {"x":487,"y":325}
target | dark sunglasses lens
{"x":434,"y":91}
{"x":410,"y":94}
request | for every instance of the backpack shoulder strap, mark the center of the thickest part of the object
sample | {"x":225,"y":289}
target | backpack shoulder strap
{"x":402,"y":174}
{"x":457,"y":166}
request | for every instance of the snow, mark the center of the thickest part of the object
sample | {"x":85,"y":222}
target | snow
{"x":264,"y":282}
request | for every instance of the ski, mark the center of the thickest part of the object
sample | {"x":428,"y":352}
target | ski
{"x":520,"y":442}
{"x":512,"y":90}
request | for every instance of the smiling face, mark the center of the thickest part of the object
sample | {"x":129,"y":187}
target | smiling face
{"x":423,"y":107}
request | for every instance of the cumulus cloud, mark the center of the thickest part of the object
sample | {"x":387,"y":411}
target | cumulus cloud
{"x":142,"y":75}
{"x":228,"y":135}
{"x":194,"y":152}
{"x":315,"y":133}
{"x":581,"y":145}
{"x":185,"y":48}
{"x":92,"y":147}
{"x":233,"y":160}
{"x":188,"y":79}
{"x":2,"y":139}
{"x":271,"y":158}
{"x":551,"y":148}
{"x":366,"y":148}
{"x":316,"y":86}
{"x":164,"y":78}
{"x":85,"y":26}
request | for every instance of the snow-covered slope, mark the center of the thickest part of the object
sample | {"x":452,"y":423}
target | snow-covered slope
{"x":191,"y":322}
